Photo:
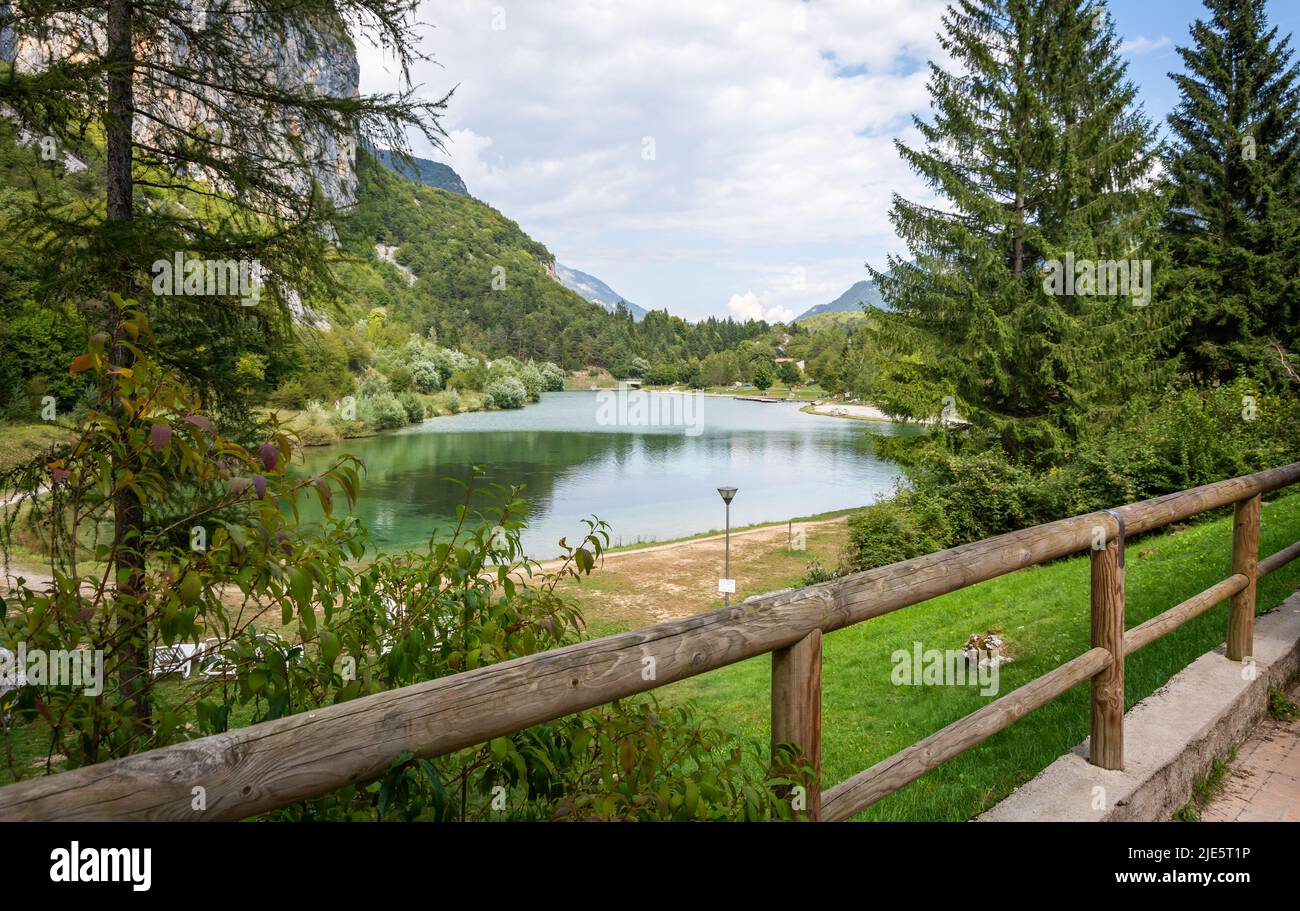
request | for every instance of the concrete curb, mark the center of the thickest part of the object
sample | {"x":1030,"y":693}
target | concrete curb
{"x":1171,"y":738}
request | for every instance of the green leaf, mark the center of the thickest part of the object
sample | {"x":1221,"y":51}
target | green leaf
{"x":300,"y":585}
{"x":692,"y":796}
{"x":191,"y":587}
{"x":330,"y":646}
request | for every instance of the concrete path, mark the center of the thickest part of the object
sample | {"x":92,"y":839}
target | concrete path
{"x":1264,"y":785}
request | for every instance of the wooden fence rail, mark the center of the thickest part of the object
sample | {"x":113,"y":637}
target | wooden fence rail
{"x":258,"y":768}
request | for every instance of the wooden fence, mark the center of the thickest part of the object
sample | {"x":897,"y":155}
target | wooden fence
{"x":264,"y":766}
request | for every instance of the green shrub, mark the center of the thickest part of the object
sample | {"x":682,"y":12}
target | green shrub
{"x":909,"y":525}
{"x":554,"y":377}
{"x":507,"y":392}
{"x":373,"y":385}
{"x":816,"y":574}
{"x":472,"y":377}
{"x":426,"y":377}
{"x":450,"y":401}
{"x":663,"y":374}
{"x":413,"y":406}
{"x":399,"y":378}
{"x":533,"y":381}
{"x":290,"y":394}
{"x":382,"y":412}
{"x":316,"y":426}
{"x":984,"y":495}
{"x":85,"y":403}
{"x":33,"y":338}
{"x":1185,"y":438}
{"x":449,"y":360}
{"x":322,"y":364}
{"x":504,"y":367}
{"x":250,"y":371}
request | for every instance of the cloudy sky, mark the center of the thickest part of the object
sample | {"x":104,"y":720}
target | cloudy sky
{"x":709,"y":156}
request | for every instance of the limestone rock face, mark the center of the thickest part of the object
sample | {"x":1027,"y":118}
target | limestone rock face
{"x":321,"y":59}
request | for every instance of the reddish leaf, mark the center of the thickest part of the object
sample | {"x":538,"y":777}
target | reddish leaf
{"x":79,"y":363}
{"x":269,"y":455}
{"x":201,"y":422}
{"x":326,"y":495}
{"x":159,"y":435}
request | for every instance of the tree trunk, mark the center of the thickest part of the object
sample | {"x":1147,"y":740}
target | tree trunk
{"x":132,"y":636}
{"x":1018,"y":241}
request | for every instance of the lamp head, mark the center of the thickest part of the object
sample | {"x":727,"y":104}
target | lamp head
{"x":727,"y":493}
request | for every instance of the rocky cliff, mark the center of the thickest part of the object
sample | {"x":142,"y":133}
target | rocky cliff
{"x":320,"y":59}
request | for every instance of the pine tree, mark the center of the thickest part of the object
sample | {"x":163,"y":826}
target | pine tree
{"x":1234,"y":175}
{"x":1041,"y":158}
{"x":111,"y":83}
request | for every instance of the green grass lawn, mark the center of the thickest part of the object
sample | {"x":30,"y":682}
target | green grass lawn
{"x":21,"y":442}
{"x":1043,"y":612}
{"x":30,"y":744}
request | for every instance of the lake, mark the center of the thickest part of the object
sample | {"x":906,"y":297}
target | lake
{"x":646,"y":463}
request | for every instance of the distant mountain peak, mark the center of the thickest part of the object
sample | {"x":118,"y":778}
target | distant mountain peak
{"x":595,"y":290}
{"x":430,"y":173}
{"x":863,"y":292}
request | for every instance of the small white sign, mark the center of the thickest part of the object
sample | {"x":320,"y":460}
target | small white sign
{"x":726,"y":586}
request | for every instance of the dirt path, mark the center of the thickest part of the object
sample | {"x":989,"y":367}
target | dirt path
{"x":764,"y":533}
{"x":668,"y":581}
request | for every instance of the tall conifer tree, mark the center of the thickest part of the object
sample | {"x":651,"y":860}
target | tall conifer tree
{"x":1039,"y":156}
{"x":1234,"y":174}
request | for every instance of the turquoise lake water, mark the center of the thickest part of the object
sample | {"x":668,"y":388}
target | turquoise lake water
{"x":648,"y":464}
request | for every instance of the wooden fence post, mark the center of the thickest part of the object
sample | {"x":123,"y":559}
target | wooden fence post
{"x":1106,"y":747}
{"x":797,"y":707}
{"x":1245,"y":560}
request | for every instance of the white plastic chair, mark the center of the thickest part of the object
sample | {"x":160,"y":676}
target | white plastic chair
{"x":175,"y":659}
{"x":16,"y":677}
{"x":212,"y":663}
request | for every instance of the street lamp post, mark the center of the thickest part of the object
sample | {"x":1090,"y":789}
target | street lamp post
{"x":727,"y":493}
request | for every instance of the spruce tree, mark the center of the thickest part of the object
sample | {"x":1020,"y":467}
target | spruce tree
{"x":1233,"y":172}
{"x":1040,"y":158}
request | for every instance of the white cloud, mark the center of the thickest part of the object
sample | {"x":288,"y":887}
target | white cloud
{"x":764,"y":135}
{"x":748,"y":306}
{"x":1143,"y":45}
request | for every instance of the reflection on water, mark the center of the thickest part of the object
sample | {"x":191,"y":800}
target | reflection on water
{"x":648,"y":483}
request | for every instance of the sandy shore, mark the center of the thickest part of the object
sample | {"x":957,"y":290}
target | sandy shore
{"x":840,"y":410}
